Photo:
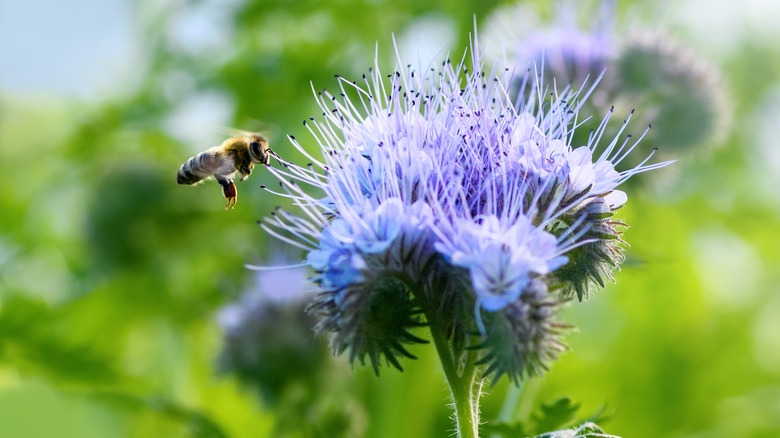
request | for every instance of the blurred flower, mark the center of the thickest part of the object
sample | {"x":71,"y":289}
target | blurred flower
{"x":679,"y":92}
{"x":673,"y":88}
{"x":439,"y":200}
{"x":269,"y":342}
{"x":567,"y":53}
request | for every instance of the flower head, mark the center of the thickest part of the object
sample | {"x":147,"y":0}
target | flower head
{"x":438,"y":197}
{"x":675,"y":90}
{"x":501,"y":259}
{"x":524,"y":338}
{"x":680,"y":91}
{"x":565,"y":52}
{"x":268,"y":338}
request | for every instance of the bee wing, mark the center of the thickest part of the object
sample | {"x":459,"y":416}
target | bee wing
{"x":221,"y":163}
{"x":267,"y":130}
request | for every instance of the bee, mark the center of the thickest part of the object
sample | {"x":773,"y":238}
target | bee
{"x":236,"y":154}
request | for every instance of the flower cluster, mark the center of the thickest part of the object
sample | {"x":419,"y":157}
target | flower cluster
{"x":441,"y":200}
{"x":566,"y":52}
{"x":680,"y":91}
{"x":268,"y":338}
{"x":675,"y":90}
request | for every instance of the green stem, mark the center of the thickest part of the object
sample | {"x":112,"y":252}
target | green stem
{"x":466,"y":404}
{"x":510,"y":402}
{"x":459,"y":372}
{"x":508,"y":409}
{"x":464,"y":387}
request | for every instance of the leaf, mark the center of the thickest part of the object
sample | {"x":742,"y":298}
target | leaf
{"x":34,"y":340}
{"x":199,"y":424}
{"x":555,"y":415}
{"x":602,"y":415}
{"x":503,"y":429}
{"x":586,"y":430}
{"x":558,"y":414}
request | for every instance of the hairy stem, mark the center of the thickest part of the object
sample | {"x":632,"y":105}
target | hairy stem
{"x":460,"y":370}
{"x":464,"y":385}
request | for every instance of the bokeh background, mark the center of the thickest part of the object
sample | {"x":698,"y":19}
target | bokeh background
{"x":111,"y":275}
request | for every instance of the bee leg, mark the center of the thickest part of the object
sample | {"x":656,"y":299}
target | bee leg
{"x":246,"y":168}
{"x":229,"y":191}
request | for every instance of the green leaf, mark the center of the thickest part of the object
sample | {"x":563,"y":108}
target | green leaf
{"x":34,"y":340}
{"x":586,"y":430}
{"x":557,"y":414}
{"x":198,"y":424}
{"x":502,"y":429}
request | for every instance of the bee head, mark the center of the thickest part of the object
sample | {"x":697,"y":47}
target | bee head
{"x":258,"y":148}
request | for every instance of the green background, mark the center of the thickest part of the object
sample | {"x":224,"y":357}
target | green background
{"x":111,"y":274}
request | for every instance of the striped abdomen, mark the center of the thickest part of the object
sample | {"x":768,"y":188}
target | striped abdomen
{"x":203,"y":165}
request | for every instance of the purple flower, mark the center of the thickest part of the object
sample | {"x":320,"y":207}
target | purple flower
{"x":268,"y":339}
{"x":565,"y":52}
{"x":676,"y":91}
{"x":439,"y":197}
{"x":502,"y":259}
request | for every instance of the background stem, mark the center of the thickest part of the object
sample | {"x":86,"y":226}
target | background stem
{"x":510,"y":402}
{"x":509,"y":407}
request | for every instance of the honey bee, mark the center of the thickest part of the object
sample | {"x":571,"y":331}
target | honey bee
{"x":236,"y":154}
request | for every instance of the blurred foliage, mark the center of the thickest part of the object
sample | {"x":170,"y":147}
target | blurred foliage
{"x":111,"y":274}
{"x":548,"y":417}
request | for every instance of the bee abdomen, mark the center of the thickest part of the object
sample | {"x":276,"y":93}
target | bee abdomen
{"x":192,"y":170}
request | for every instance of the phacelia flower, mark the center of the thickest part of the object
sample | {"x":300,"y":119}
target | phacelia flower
{"x":680,"y":92}
{"x":502,"y":259}
{"x":526,"y":329}
{"x":439,"y":198}
{"x":674,"y":89}
{"x":566,"y":52}
{"x":269,"y":342}
{"x":601,"y":252}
